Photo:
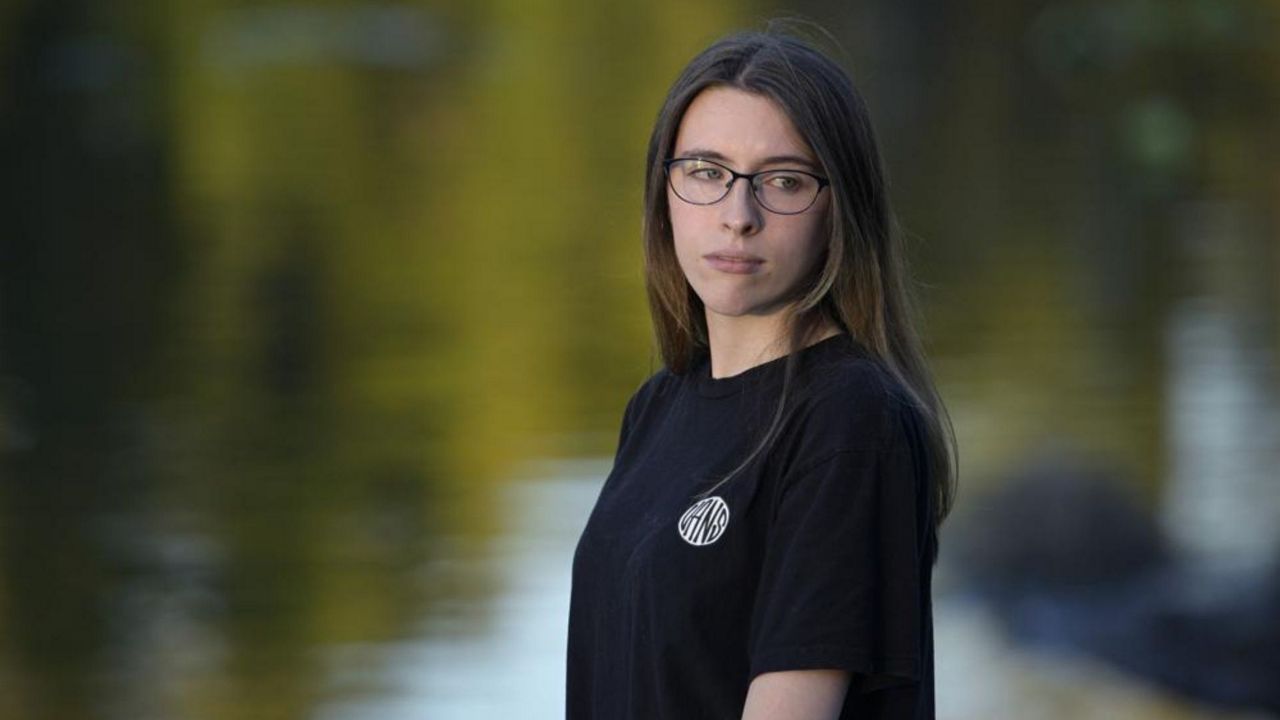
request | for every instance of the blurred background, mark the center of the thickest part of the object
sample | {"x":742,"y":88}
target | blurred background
{"x":317,"y":320}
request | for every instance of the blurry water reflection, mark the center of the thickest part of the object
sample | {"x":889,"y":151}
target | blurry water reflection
{"x":507,"y":659}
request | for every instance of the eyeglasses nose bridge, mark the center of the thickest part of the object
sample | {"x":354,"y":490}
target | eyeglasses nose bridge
{"x":734,"y":176}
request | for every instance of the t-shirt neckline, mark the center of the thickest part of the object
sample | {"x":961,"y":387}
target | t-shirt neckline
{"x":711,"y":387}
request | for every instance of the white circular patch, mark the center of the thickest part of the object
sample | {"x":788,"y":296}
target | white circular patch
{"x":704,"y":522}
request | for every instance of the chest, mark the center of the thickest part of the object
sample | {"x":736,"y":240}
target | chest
{"x":667,"y":539}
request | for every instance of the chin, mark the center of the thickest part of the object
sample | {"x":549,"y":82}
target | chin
{"x":724,"y":303}
{"x":741,"y":308}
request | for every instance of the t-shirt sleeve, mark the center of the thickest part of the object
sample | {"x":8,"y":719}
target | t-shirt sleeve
{"x":841,"y":586}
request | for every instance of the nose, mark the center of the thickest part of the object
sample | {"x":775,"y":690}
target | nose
{"x":740,"y":212}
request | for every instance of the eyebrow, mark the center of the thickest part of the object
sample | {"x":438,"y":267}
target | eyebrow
{"x":771,"y":160}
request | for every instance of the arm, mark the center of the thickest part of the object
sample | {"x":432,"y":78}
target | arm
{"x":796,"y":695}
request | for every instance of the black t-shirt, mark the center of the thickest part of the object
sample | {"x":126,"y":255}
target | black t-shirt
{"x":817,"y":555}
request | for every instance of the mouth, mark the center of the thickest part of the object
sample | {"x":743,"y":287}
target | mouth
{"x":734,"y":262}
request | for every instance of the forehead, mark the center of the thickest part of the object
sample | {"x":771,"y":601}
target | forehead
{"x":743,"y":127}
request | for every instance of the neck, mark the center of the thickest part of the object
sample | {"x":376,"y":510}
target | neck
{"x":741,"y":343}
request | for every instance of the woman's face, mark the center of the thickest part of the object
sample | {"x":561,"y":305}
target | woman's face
{"x":740,"y":258}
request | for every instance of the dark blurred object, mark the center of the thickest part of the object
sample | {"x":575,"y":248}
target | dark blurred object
{"x":1057,"y":524}
{"x":89,"y":258}
{"x":1071,"y":561}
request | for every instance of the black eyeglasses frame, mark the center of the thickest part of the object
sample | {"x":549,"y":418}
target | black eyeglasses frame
{"x":749,"y":177}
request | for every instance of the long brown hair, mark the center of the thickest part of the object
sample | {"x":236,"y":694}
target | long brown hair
{"x":862,"y":286}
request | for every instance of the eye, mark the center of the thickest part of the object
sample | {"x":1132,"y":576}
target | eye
{"x":704,"y":171}
{"x":787,"y":182}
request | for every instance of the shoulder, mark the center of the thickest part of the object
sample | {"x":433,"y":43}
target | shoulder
{"x":659,"y":384}
{"x":850,"y":401}
{"x":653,"y":391}
{"x":853,"y":388}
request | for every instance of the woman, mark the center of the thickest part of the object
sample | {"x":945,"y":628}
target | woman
{"x":763,"y":547}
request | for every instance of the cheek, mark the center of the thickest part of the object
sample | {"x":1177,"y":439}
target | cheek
{"x":684,"y":235}
{"x":811,"y":247}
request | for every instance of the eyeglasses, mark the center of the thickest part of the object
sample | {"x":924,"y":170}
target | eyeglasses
{"x":706,"y":182}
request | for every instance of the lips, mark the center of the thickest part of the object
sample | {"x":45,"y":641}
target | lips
{"x":734,"y":262}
